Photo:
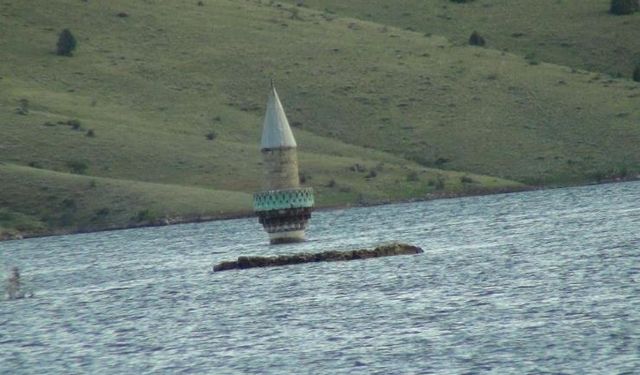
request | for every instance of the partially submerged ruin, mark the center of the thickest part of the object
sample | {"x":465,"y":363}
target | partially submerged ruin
{"x":283,"y":206}
{"x":13,"y":286}
{"x":245,"y":262}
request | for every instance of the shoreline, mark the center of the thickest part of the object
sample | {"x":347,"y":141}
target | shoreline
{"x":240,"y":215}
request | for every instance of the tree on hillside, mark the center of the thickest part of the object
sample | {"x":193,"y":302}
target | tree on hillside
{"x":636,"y":73}
{"x":66,"y":43}
{"x":476,"y":39}
{"x":621,"y":7}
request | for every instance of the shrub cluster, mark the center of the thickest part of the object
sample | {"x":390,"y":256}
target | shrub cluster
{"x":412,"y":176}
{"x":466,"y":180}
{"x":622,"y":7}
{"x":66,"y":43}
{"x":212,"y":135}
{"x":23,"y":107}
{"x":75,"y":124}
{"x":143,"y":216}
{"x":77,"y":167}
{"x":476,"y":39}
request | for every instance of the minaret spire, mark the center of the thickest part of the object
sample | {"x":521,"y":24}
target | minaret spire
{"x":276,"y":131}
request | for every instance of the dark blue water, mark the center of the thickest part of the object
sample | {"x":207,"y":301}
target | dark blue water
{"x":536,"y":282}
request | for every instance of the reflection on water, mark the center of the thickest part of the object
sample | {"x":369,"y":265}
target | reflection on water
{"x":532,"y":282}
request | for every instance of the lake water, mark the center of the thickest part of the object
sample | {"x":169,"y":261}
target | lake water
{"x":535,"y":282}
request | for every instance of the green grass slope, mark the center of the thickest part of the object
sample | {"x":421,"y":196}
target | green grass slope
{"x":37,"y":201}
{"x":581,"y":34}
{"x":116,"y":134}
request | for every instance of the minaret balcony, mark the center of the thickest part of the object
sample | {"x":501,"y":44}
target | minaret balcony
{"x":283,"y":199}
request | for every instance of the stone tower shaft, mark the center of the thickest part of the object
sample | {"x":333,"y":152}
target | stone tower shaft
{"x":280,"y":168}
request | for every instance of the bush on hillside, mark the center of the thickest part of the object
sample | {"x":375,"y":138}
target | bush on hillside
{"x":75,"y":124}
{"x":461,"y":1}
{"x":142,"y":216}
{"x":438,"y":183}
{"x":531,"y":58}
{"x":358,"y":168}
{"x":476,"y":39}
{"x":636,"y":73}
{"x":77,"y":167}
{"x":104,"y":211}
{"x":466,"y":180}
{"x":413,"y":176}
{"x":66,"y":43}
{"x":23,"y":107}
{"x":622,"y":7}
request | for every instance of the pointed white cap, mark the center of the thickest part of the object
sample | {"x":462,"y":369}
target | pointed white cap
{"x":276,"y":132}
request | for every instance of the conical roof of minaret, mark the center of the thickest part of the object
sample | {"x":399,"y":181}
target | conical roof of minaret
{"x":276,"y":132}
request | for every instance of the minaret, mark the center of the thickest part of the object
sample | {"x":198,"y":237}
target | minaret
{"x":283,"y":207}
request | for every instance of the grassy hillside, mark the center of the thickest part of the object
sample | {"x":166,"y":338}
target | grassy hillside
{"x":581,"y":34}
{"x":37,"y":200}
{"x":380,"y":113}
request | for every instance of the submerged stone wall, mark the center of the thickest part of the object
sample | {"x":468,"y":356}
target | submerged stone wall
{"x":245,"y":262}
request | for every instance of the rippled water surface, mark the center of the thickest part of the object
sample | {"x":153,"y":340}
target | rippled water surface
{"x":537,"y":282}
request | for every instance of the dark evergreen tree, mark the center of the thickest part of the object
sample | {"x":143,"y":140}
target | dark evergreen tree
{"x":66,"y":43}
{"x":621,"y":7}
{"x":636,"y":73}
{"x":476,"y":39}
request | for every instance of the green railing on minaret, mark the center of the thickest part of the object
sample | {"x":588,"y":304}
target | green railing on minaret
{"x":283,"y":199}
